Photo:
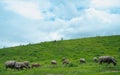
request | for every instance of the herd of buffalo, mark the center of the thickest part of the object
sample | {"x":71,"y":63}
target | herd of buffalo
{"x":26,"y":64}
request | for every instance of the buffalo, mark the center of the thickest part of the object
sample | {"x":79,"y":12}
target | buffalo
{"x":10,"y":64}
{"x":65,"y":61}
{"x":20,"y":65}
{"x":53,"y":62}
{"x":35,"y":65}
{"x":95,"y":59}
{"x":82,"y":60}
{"x":107,"y":59}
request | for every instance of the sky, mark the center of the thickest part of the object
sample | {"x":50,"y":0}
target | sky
{"x":34,"y":21}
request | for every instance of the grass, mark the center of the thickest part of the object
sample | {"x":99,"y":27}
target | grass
{"x":73,"y":49}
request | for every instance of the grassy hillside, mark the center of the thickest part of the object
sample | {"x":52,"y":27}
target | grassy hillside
{"x":73,"y":49}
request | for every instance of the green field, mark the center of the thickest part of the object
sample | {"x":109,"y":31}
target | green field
{"x":73,"y":49}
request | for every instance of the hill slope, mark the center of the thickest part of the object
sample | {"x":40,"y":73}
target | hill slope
{"x":72,"y":49}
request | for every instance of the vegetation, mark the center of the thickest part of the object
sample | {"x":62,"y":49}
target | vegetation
{"x":73,"y":49}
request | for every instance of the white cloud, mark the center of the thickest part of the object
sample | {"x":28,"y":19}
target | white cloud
{"x":28,"y":9}
{"x":39,"y":36}
{"x":97,"y":14}
{"x":54,"y":36}
{"x":93,"y":22}
{"x":104,"y":3}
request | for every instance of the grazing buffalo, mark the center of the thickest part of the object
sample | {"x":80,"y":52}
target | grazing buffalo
{"x":107,"y":59}
{"x":82,"y":60}
{"x":20,"y":66}
{"x":65,"y":61}
{"x":10,"y":64}
{"x":95,"y":59}
{"x":53,"y":62}
{"x":35,"y":65}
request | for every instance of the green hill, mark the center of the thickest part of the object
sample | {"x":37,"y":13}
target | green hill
{"x":73,"y":49}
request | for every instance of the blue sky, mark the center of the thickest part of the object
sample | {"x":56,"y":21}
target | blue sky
{"x":33,"y":21}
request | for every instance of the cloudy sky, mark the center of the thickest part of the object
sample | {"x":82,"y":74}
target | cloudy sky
{"x":32,"y":21}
